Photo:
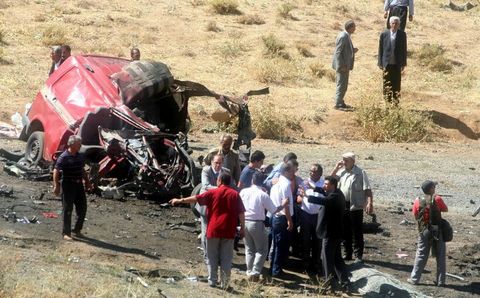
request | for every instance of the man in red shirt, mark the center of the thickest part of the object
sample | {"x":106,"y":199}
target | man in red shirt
{"x":224,"y":209}
{"x":427,"y":211}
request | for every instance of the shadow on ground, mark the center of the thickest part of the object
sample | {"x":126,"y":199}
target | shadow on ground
{"x":446,"y":121}
{"x":117,"y":248}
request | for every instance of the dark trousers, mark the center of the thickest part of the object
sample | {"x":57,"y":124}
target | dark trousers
{"x":392,"y":80}
{"x":280,"y":244}
{"x":332,"y":261}
{"x":310,"y":242}
{"x":295,"y":239}
{"x":73,"y":193}
{"x":353,"y":228}
{"x":401,"y":12}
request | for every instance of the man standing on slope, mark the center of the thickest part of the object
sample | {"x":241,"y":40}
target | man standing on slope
{"x":343,"y":60}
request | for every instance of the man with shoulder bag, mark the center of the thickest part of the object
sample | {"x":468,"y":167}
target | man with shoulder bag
{"x":427,"y":211}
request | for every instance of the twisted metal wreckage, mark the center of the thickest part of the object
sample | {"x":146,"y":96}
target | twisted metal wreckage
{"x":133,"y":120}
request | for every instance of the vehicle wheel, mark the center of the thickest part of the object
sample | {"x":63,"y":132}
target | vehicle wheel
{"x":195,"y":191}
{"x":34,"y":148}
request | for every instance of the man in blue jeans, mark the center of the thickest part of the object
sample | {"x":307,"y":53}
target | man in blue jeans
{"x":282,"y":222}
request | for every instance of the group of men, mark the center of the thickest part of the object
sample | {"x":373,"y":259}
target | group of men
{"x":59,"y":54}
{"x":392,"y":52}
{"x":324,"y":210}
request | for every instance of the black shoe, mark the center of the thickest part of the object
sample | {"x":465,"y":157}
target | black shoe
{"x":345,"y":288}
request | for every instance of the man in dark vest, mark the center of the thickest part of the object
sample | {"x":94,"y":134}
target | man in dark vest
{"x":427,"y":211}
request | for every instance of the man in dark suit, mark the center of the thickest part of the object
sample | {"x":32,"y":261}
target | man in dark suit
{"x":343,"y":60}
{"x":330,"y":230}
{"x":392,"y":59}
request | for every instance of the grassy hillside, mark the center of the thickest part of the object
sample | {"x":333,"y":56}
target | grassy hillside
{"x":228,"y":54}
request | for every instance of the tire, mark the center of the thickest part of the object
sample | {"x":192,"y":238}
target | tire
{"x":34,"y":148}
{"x":195,"y":191}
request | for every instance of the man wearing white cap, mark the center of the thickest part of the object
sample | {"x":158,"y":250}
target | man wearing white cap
{"x":354,"y":183}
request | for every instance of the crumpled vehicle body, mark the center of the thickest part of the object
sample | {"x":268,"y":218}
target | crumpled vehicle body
{"x":132,"y":117}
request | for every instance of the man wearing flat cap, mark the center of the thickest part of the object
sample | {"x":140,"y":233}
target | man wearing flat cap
{"x":353,"y":182}
{"x":427,"y":211}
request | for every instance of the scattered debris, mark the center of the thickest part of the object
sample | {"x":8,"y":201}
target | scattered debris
{"x":386,"y":234}
{"x":11,"y":155}
{"x":192,"y":278}
{"x":144,"y":283}
{"x":472,"y":201}
{"x":8,"y":131}
{"x":472,"y":168}
{"x":127,"y":217}
{"x":163,"y":273}
{"x":184,"y":228}
{"x":405,"y":222}
{"x":50,"y":214}
{"x":455,"y":276}
{"x":109,"y":192}
{"x":476,"y":211}
{"x":402,"y":255}
{"x":459,"y":7}
{"x":6,"y":190}
{"x":73,"y":259}
{"x":370,"y":157}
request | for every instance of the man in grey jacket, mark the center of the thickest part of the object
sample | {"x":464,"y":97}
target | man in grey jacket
{"x":343,"y":60}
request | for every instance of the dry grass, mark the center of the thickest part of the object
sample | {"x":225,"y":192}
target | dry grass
{"x":224,"y":6}
{"x":274,"y":47}
{"x":285,"y":10}
{"x":178,"y":35}
{"x":433,"y":56}
{"x":232,"y":49}
{"x":251,"y":19}
{"x":196,"y":3}
{"x":276,"y":70}
{"x":213,"y":27}
{"x":318,"y":69}
{"x":54,"y":35}
{"x":86,"y":4}
{"x":380,"y":122}
{"x":304,"y":49}
{"x":268,"y":121}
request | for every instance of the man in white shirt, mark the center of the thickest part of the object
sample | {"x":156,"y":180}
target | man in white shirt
{"x":282,"y":222}
{"x":256,"y":201}
{"x":308,"y":219}
{"x":398,"y":8}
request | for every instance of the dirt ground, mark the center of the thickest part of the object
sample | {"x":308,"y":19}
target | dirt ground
{"x":148,"y":235}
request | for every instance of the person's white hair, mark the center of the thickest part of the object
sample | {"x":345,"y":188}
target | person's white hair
{"x":349,"y":155}
{"x":57,"y":50}
{"x":394,"y":19}
{"x":73,"y":139}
